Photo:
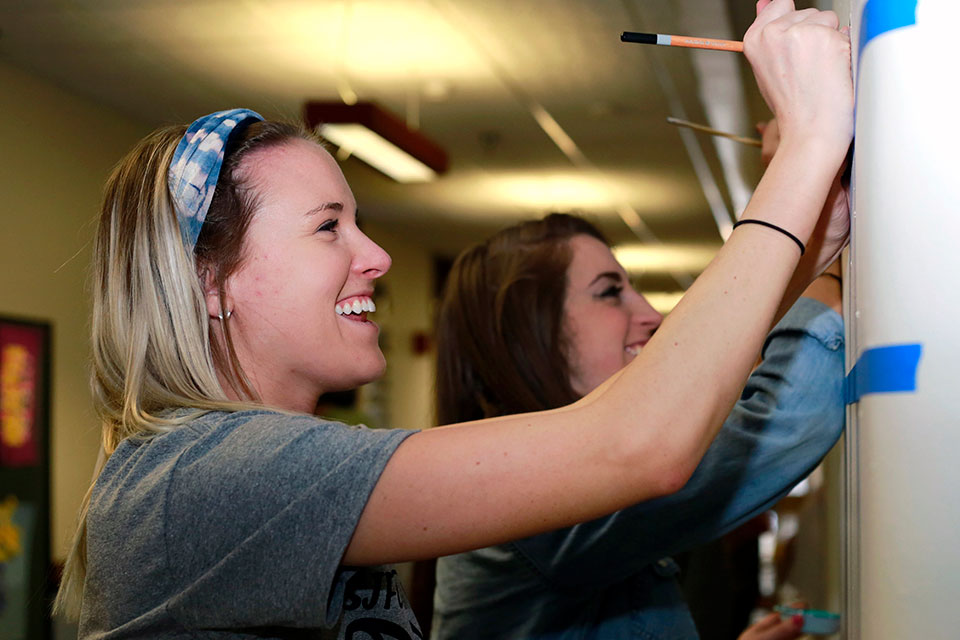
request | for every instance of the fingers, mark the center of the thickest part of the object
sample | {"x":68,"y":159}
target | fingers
{"x":772,"y":627}
{"x":766,"y":623}
{"x":826,"y":18}
{"x":770,"y":10}
{"x":811,"y":16}
{"x":773,"y":9}
{"x":802,"y":65}
{"x":807,"y":17}
{"x":796,"y":17}
{"x":787,"y":629}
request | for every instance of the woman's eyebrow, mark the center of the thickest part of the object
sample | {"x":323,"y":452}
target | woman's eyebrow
{"x":326,"y":206}
{"x":612,"y":275}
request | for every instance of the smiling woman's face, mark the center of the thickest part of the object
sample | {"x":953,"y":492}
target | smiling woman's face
{"x":606,"y":320}
{"x":300,"y":300}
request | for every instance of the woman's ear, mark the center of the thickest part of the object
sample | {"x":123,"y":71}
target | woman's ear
{"x":211,"y":292}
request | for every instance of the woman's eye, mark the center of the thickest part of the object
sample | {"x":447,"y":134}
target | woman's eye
{"x":613,"y":291}
{"x":329,"y":225}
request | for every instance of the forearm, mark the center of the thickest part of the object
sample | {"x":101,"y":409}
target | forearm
{"x":638,"y":436}
{"x":788,"y":417}
{"x":642,"y":434}
{"x":823,"y":250}
{"x":690,"y":374}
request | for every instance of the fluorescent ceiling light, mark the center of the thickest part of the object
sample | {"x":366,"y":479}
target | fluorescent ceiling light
{"x":547,"y":191}
{"x":378,"y":138}
{"x":663,"y":301}
{"x":377,"y":152}
{"x":641,"y":258}
{"x":528,"y":193}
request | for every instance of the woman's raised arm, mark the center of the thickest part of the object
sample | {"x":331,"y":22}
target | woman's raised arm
{"x":641,"y":434}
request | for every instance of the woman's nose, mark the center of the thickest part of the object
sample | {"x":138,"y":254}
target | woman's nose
{"x":644,"y":314}
{"x":370,"y":259}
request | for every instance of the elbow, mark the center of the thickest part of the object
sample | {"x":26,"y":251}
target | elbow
{"x":682,"y":446}
{"x":666,"y":470}
{"x":674,"y":477}
{"x":826,"y":431}
{"x":680,"y":456}
{"x":658,"y":457}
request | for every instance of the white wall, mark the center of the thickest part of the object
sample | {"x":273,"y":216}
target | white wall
{"x":903,"y":561}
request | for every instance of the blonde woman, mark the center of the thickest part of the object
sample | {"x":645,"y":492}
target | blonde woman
{"x":233,"y":288}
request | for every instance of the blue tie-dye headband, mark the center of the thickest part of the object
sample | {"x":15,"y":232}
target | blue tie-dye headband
{"x":196,"y":166}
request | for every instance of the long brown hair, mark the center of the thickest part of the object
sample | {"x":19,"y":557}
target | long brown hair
{"x":501,"y":344}
{"x":154,"y":346}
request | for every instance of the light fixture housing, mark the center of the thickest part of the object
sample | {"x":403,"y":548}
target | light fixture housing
{"x":378,"y":138}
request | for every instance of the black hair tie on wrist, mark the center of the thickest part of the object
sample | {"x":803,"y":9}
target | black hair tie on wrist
{"x":774,"y":227}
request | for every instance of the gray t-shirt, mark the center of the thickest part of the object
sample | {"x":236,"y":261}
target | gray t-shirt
{"x":233,"y":526}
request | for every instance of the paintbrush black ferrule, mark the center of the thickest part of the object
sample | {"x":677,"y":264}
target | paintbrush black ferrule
{"x":640,"y":38}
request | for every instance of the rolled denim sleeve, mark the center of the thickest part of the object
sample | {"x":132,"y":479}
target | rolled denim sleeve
{"x":789,"y":416}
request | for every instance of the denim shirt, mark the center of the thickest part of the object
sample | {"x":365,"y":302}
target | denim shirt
{"x":613,"y":577}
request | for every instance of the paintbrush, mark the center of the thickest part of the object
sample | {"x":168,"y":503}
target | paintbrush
{"x":681,"y":41}
{"x":753,"y":142}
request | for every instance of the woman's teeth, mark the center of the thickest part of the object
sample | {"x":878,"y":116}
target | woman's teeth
{"x":358,"y":306}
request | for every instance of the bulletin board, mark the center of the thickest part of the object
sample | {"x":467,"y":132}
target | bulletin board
{"x":24,"y":479}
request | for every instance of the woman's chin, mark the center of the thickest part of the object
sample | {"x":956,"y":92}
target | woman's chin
{"x":369,"y":370}
{"x":379,"y":371}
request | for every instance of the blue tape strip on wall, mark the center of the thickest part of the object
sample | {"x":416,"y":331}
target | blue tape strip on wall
{"x":878,"y":18}
{"x":883,"y":370}
{"x":881,"y":16}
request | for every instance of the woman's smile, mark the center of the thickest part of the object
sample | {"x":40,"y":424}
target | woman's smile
{"x":355,"y":308}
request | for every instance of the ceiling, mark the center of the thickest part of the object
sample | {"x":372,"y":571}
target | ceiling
{"x":488,"y":80}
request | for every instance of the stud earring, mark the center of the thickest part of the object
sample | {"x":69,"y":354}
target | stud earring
{"x":220,"y":315}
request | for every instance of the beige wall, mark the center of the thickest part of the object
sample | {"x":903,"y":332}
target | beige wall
{"x":405,"y":309}
{"x":55,"y":152}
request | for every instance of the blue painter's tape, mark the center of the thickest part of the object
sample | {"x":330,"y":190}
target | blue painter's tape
{"x":883,"y":370}
{"x":881,"y":16}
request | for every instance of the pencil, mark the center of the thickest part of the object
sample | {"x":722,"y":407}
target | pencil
{"x":753,"y":142}
{"x":681,"y":41}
